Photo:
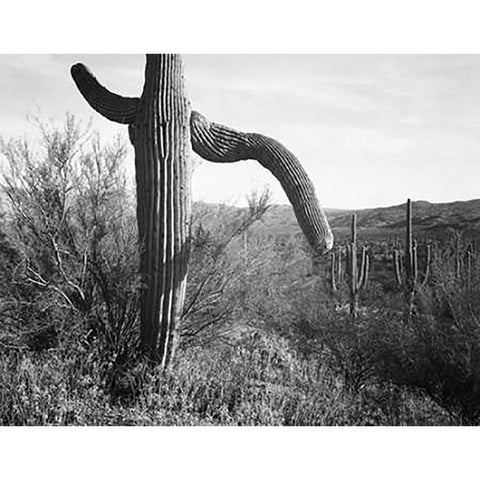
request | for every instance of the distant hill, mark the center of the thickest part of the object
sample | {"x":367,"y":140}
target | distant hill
{"x":429,"y":219}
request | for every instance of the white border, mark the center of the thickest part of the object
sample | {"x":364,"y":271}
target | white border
{"x":249,"y":26}
{"x":336,"y":26}
{"x":240,"y":452}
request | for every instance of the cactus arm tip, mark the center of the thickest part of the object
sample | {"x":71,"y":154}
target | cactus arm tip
{"x":110,"y":105}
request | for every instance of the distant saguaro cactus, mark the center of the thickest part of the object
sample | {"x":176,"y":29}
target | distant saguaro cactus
{"x":357,"y":280}
{"x":162,"y":128}
{"x":336,"y":273}
{"x":464,"y":260}
{"x":406,"y":272}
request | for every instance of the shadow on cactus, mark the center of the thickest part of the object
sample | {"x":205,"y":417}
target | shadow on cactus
{"x":162,"y":129}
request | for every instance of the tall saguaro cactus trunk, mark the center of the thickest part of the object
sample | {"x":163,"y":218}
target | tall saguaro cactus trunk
{"x":159,"y":128}
{"x":161,"y":138}
{"x":162,"y":128}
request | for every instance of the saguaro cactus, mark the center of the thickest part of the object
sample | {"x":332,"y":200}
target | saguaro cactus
{"x":336,"y":273}
{"x":357,"y":280}
{"x":162,"y":128}
{"x":406,"y":272}
{"x":159,"y":130}
{"x":464,"y":261}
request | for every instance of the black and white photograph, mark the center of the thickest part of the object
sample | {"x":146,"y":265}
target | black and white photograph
{"x":294,"y":245}
{"x":193,"y":239}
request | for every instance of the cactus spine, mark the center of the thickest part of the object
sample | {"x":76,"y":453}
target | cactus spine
{"x":161,"y":129}
{"x":357,"y":280}
{"x":406,"y":272}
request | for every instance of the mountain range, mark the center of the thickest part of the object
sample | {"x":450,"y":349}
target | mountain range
{"x":429,"y":220}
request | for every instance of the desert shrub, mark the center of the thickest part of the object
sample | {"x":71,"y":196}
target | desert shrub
{"x":438,"y":351}
{"x":438,"y":357}
{"x":70,"y":219}
{"x":262,"y":380}
{"x":435,"y":351}
{"x":221,"y":266}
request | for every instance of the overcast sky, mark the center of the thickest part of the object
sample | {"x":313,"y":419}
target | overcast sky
{"x":371,"y":130}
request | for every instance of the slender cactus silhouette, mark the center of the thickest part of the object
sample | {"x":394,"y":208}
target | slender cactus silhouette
{"x":336,"y":272}
{"x":162,"y":128}
{"x":406,"y":272}
{"x":357,"y":280}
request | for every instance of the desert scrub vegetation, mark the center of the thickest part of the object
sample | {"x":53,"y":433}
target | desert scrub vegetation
{"x":430,"y":347}
{"x":263,"y":340}
{"x":259,"y":381}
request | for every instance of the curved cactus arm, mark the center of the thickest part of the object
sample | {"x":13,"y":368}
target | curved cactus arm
{"x":218,"y":143}
{"x":112,"y":106}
